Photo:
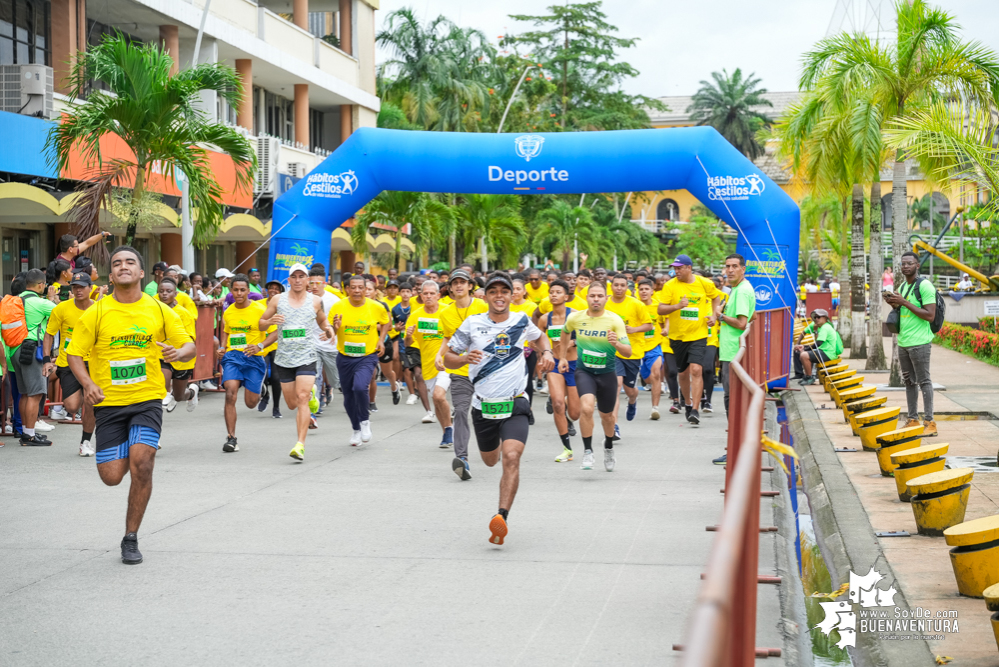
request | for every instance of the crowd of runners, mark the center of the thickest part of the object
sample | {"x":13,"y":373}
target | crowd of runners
{"x":472,"y":349}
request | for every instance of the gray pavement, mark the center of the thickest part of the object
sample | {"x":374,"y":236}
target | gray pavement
{"x":372,"y":555}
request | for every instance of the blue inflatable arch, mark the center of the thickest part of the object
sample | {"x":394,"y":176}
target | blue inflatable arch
{"x":697,"y":159}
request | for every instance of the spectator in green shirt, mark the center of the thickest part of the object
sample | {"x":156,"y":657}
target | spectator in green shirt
{"x":828,"y":346}
{"x":152,"y":288}
{"x":31,"y":377}
{"x":254,"y":275}
{"x":916,"y":299}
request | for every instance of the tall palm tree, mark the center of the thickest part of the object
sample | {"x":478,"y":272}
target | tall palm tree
{"x":492,"y":221}
{"x":158,"y":117}
{"x":431,"y":221}
{"x":858,"y":272}
{"x":875,"y":340}
{"x":730,"y":106}
{"x":559,"y":227}
{"x":926,"y":62}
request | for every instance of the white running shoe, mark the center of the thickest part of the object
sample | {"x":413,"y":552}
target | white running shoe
{"x":208,"y":385}
{"x":609,"y":460}
{"x":412,"y":399}
{"x":87,"y":449}
{"x":429,"y":418}
{"x":58,"y":413}
{"x":355,"y":439}
{"x":193,"y":401}
{"x":43,"y":426}
{"x":8,"y":430}
{"x":655,"y":412}
{"x":170,"y":403}
{"x":166,"y":400}
{"x":365,"y":431}
{"x":587,"y":460}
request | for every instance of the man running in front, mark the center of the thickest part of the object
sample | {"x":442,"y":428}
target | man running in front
{"x":600,"y":337}
{"x":125,"y":335}
{"x":294,"y":312}
{"x":492,"y":344}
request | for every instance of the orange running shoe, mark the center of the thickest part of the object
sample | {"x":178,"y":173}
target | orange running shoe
{"x":498,"y":528}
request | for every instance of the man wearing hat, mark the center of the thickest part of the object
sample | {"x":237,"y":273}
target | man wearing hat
{"x":224,"y":276}
{"x":294,"y":312}
{"x":828,"y":345}
{"x":692,"y":303}
{"x":153,"y":287}
{"x":62,"y":321}
{"x":464,"y":306}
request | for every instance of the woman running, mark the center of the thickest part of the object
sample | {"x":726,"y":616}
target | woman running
{"x":561,"y":386}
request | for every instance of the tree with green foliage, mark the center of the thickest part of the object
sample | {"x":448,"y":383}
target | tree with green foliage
{"x":730,"y":105}
{"x":580,"y":49}
{"x":431,"y":221}
{"x":158,"y":116}
{"x":559,"y":227}
{"x":701,"y":240}
{"x":494,"y":223}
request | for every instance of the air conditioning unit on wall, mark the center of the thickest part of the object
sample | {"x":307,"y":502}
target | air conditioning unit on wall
{"x":27,"y":89}
{"x":265,"y":183}
{"x":297,"y":169}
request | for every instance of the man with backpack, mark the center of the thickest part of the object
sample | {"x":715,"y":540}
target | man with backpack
{"x":920,"y":316}
{"x":24,"y":321}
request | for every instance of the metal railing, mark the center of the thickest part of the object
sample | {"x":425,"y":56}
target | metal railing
{"x":722,"y":627}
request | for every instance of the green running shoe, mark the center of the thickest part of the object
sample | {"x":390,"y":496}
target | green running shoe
{"x":297,"y":452}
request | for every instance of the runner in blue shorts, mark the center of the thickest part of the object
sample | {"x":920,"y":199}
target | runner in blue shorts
{"x":651,"y":368}
{"x":561,"y":386}
{"x":242,"y":353}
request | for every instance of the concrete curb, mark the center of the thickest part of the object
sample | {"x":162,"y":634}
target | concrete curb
{"x":843,"y":529}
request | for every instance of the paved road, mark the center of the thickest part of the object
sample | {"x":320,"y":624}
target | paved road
{"x":376,"y":555}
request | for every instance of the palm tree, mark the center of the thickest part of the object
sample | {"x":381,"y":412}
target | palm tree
{"x":729,"y":105}
{"x":858,"y":271}
{"x":926,"y":62}
{"x":560,"y":226}
{"x":875,"y":344}
{"x":492,"y":221}
{"x":158,"y":117}
{"x":430,"y":220}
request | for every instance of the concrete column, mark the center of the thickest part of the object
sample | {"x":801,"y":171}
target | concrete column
{"x":81,"y":24}
{"x":172,"y":249}
{"x":170,"y":39}
{"x":302,"y":113}
{"x":300,"y":12}
{"x":346,"y":121}
{"x":346,"y":22}
{"x":245,"y":249}
{"x":244,"y":115}
{"x":64,"y":44}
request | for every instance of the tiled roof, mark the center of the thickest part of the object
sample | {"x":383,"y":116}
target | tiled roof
{"x":678,"y":107}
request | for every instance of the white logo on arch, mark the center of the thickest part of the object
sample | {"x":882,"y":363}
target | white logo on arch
{"x":528,"y":146}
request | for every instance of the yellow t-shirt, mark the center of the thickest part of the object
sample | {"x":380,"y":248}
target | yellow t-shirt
{"x":633,"y":312}
{"x":713,"y":331}
{"x":427,"y":337}
{"x":654,"y":336}
{"x":582,"y":293}
{"x":187,"y":303}
{"x":664,"y":343}
{"x":62,"y":321}
{"x":392,"y":303}
{"x":690,"y":323}
{"x":242,"y":325}
{"x":528,"y":307}
{"x":575,"y":303}
{"x":358,"y":332}
{"x":335,"y":292}
{"x":445,"y":301}
{"x":451,"y":319}
{"x":414,"y":304}
{"x":190,"y":326}
{"x":121,"y":341}
{"x":536,"y":295}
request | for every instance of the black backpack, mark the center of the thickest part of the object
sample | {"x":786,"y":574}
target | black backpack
{"x":938,"y":318}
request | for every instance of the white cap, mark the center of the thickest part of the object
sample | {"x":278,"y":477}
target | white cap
{"x":223,"y":273}
{"x":298,"y":267}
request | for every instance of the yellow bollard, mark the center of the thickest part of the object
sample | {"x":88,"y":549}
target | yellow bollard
{"x":975,"y":556}
{"x":873,"y":423}
{"x":896,"y":441}
{"x":912,"y":463}
{"x":992,"y":604}
{"x":842,"y":385}
{"x":823,"y":372}
{"x":860,"y":399}
{"x":836,"y":377}
{"x":940,"y":499}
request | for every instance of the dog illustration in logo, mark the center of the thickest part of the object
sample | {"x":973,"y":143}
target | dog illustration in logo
{"x":755,"y":184}
{"x":349,"y":181}
{"x":528,"y":146}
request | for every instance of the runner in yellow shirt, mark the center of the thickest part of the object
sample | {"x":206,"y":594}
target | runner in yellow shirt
{"x":385,"y":359}
{"x":177,"y":376}
{"x":692,"y":303}
{"x":536,"y":290}
{"x":423,"y":331}
{"x":637,"y":322}
{"x":651,"y":369}
{"x":125,"y":336}
{"x":63,"y":321}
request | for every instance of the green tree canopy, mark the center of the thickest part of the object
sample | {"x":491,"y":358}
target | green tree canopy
{"x":730,"y":106}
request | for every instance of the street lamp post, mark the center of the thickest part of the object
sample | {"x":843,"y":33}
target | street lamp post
{"x":513,"y":95}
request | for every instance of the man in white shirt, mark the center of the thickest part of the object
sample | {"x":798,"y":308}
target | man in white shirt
{"x":965,"y":285}
{"x":325,"y":349}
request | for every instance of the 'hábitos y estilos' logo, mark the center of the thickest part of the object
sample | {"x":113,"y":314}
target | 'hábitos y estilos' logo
{"x":330,"y":186}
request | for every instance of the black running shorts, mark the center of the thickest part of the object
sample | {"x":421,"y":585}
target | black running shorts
{"x":411,"y":358}
{"x":489,"y":433}
{"x":689,"y":352}
{"x":185,"y":374}
{"x":70,"y":385}
{"x":119,"y":427}
{"x":601,"y":385}
{"x":284,"y":374}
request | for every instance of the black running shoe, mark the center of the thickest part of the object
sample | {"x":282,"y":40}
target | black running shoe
{"x":530,"y":418}
{"x":275,"y":413}
{"x":372,"y":407}
{"x":706,"y":406}
{"x":230,"y":444}
{"x":694,"y":418}
{"x":548,"y":407}
{"x":686,"y":411}
{"x":130,"y":549}
{"x":675,"y":408}
{"x":265,"y":398}
{"x":396,"y":397}
{"x":571,"y":432}
{"x":35,"y":441}
{"x":721,"y":460}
